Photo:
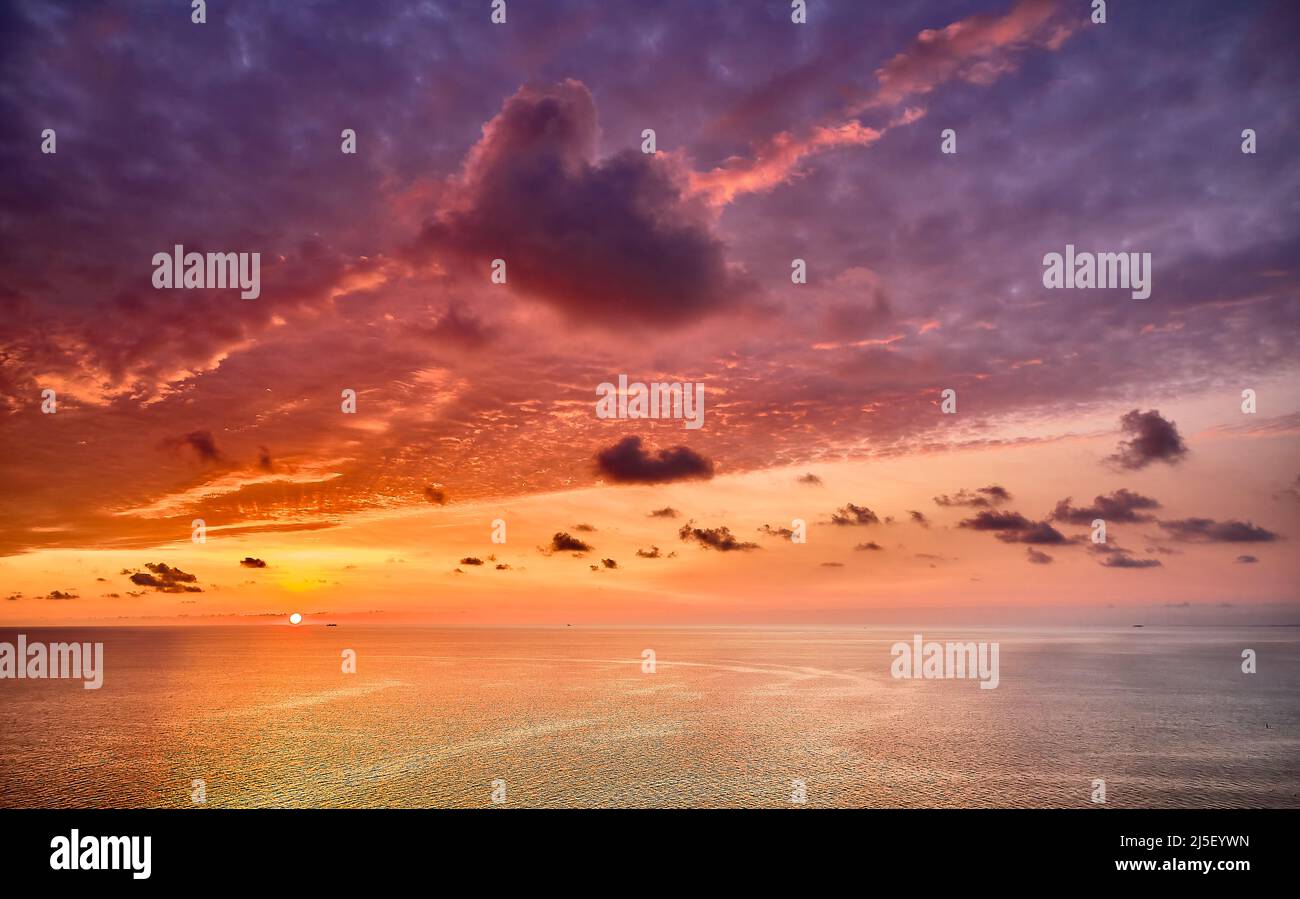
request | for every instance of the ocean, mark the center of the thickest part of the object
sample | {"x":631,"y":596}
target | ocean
{"x":728,"y":717}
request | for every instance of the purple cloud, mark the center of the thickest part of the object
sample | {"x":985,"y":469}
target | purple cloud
{"x":1152,"y":438}
{"x":628,"y":462}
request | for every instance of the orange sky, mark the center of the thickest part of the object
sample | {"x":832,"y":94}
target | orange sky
{"x":402,"y":564}
{"x":777,"y":144}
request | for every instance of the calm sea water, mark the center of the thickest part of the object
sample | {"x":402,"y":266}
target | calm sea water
{"x":566,"y":717}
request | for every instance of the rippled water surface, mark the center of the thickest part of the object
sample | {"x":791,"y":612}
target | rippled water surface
{"x":566,"y":717}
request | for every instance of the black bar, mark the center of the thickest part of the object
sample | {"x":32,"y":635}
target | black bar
{"x":654,"y":850}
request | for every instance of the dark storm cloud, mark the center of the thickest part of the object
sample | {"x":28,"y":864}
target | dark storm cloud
{"x":1207,"y":530}
{"x":627,"y":462}
{"x":610,"y":240}
{"x":1121,"y":505}
{"x":719,"y":538}
{"x":1151,"y":438}
{"x":850,"y":514}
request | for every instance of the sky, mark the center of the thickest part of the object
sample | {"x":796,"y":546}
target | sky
{"x":476,"y":400}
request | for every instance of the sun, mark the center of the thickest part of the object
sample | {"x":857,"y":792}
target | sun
{"x":295,"y":618}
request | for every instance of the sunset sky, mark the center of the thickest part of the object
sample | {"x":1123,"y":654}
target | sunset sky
{"x":476,"y":401}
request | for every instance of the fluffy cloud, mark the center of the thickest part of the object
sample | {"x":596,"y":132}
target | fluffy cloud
{"x":1112,"y":555}
{"x":1012,"y":527}
{"x":1152,"y":438}
{"x":1207,"y":530}
{"x":613,"y":240}
{"x":1123,"y":559}
{"x":628,"y":462}
{"x":1121,"y":505}
{"x":997,"y":521}
{"x":850,"y":514}
{"x":565,"y":542}
{"x":980,"y":498}
{"x":978,"y":50}
{"x":719,"y":538}
{"x":165,"y":579}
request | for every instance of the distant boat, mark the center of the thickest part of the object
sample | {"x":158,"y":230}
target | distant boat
{"x":331,"y":625}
